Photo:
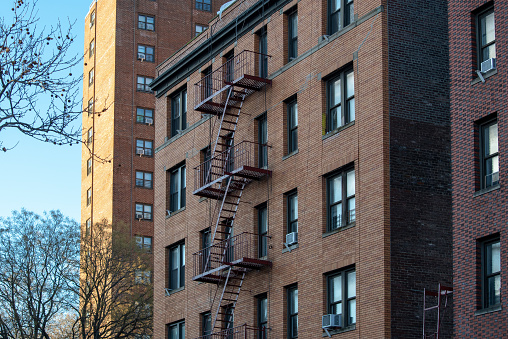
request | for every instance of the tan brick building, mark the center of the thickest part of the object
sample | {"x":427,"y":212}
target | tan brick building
{"x":124,"y":41}
{"x":333,"y":204}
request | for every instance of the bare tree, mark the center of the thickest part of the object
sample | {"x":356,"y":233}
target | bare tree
{"x":115,"y":289}
{"x":38,"y":92}
{"x":37,"y":259}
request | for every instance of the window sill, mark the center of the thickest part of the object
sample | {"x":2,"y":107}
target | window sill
{"x":290,"y":155}
{"x":340,"y":229}
{"x":486,"y":190}
{"x":143,"y":187}
{"x":179,"y":289}
{"x":342,"y":330}
{"x":489,"y":310}
{"x":175,"y":212}
{"x":337,"y":130}
{"x":485,"y":76}
{"x":291,"y":247}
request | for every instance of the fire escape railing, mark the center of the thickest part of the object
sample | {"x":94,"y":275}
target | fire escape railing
{"x":239,"y":332}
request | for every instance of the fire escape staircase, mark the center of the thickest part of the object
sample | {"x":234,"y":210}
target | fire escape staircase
{"x":223,"y":177}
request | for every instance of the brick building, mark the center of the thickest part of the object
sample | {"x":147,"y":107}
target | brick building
{"x":303,"y":156}
{"x":124,"y":41}
{"x":477,"y":32}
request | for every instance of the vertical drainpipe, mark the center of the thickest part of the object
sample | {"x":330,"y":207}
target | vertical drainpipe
{"x":133,"y":114}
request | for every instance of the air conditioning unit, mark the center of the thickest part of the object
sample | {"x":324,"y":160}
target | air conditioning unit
{"x":291,"y":238}
{"x":141,"y":56}
{"x":488,"y":65}
{"x":149,"y":121}
{"x":140,"y":151}
{"x":139,"y":215}
{"x":330,"y":321}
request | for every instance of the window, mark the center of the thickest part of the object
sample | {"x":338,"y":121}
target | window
{"x":88,"y":226}
{"x":144,"y":147}
{"x":292,"y":35}
{"x":262,"y":212}
{"x":200,"y":29}
{"x":228,"y":323}
{"x":206,"y":325}
{"x":144,"y":116}
{"x":205,"y":156}
{"x":91,"y":49}
{"x":177,"y":266}
{"x":143,"y":84}
{"x":263,"y":50}
{"x":230,"y":66}
{"x":204,"y":5}
{"x":89,"y":136}
{"x":292,"y":212}
{"x":146,"y":22}
{"x":144,"y":179}
{"x":88,"y":196}
{"x":90,"y":107}
{"x":486,"y":35}
{"x":341,"y":100}
{"x":491,"y":273}
{"x":90,"y":77}
{"x":143,"y":277}
{"x":208,"y":82}
{"x":342,"y":295}
{"x":262,"y":315}
{"x":144,"y":243}
{"x":340,"y":14}
{"x":92,"y":19}
{"x":146,"y":53}
{"x":262,"y":141}
{"x":179,"y":112}
{"x":176,"y":330}
{"x":177,"y":189}
{"x":292,"y":307}
{"x":341,"y":199}
{"x":489,"y":171}
{"x":89,"y":166}
{"x":292,"y":116}
{"x":143,"y":212}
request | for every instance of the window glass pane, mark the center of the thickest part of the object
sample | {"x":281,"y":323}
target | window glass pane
{"x":263,"y":310}
{"x":336,"y":189}
{"x":488,"y":29}
{"x":336,"y":92}
{"x":336,"y":289}
{"x":351,"y":284}
{"x":350,"y":183}
{"x":175,"y":260}
{"x":335,"y":5}
{"x":350,"y":84}
{"x":336,"y":216}
{"x":351,"y":209}
{"x":491,"y":140}
{"x":183,"y":254}
{"x":351,"y":109}
{"x":139,"y":208}
{"x":174,"y":332}
{"x":293,"y":212}
{"x":294,"y":25}
{"x":352,"y":311}
{"x":494,"y":258}
{"x":489,"y":52}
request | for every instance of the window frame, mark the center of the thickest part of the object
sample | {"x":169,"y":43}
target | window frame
{"x":91,"y":77}
{"x":91,"y":106}
{"x":262,"y":138}
{"x":91,"y":48}
{"x":203,"y":5}
{"x":202,"y":27}
{"x":177,"y":187}
{"x":292,"y":113}
{"x":479,"y":46}
{"x":292,"y":16}
{"x":144,"y":84}
{"x":92,"y":18}
{"x":343,"y":20}
{"x":145,"y":209}
{"x":144,"y":24}
{"x":89,"y":136}
{"x":344,"y":201}
{"x":290,"y":223}
{"x":144,"y":53}
{"x":346,"y":116}
{"x":144,"y":115}
{"x":206,"y":319}
{"x":263,"y":51}
{"x":484,"y":158}
{"x":147,"y":150}
{"x":141,"y":242}
{"x":180,"y":325}
{"x":485,"y":276}
{"x":89,"y":166}
{"x":180,"y":269}
{"x":345,"y":300}
{"x":262,"y":221}
{"x":179,"y":111}
{"x":262,"y":323}
{"x":144,"y":181}
{"x":89,"y":196}
{"x":291,"y":296}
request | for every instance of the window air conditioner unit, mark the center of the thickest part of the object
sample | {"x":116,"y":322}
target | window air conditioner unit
{"x":330,"y":321}
{"x":140,"y":151}
{"x":291,"y":238}
{"x":139,"y":215}
{"x":488,"y":65}
{"x":149,"y":121}
{"x":141,"y":56}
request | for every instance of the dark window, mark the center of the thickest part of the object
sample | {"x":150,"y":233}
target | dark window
{"x":228,"y":321}
{"x":489,"y":155}
{"x":89,"y":166}
{"x":178,"y":112}
{"x":88,"y":226}
{"x":176,"y":330}
{"x":88,"y":196}
{"x":292,"y":116}
{"x":262,"y":141}
{"x":200,"y":29}
{"x":206,"y":242}
{"x":144,"y":116}
{"x":341,"y":100}
{"x":90,"y":107}
{"x":263,"y":50}
{"x":177,"y":266}
{"x":340,"y":14}
{"x":204,"y":5}
{"x":177,"y":189}
{"x":89,"y":136}
{"x":146,"y":53}
{"x":144,"y":243}
{"x":143,"y":211}
{"x":341,"y":199}
{"x":292,"y":212}
{"x":208,"y":82}
{"x":292,"y":306}
{"x":230,"y":66}
{"x":206,"y":325}
{"x":342,"y":295}
{"x":90,"y":77}
{"x":91,"y":49}
{"x":491,"y":273}
{"x":292,"y":35}
{"x":486,"y":35}
{"x":262,"y":212}
{"x":146,"y":22}
{"x":92,"y":19}
{"x":143,"y":84}
{"x":144,"y":147}
{"x":262,"y":315}
{"x":144,"y":179}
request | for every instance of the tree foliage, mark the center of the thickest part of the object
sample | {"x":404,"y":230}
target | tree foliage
{"x":38,"y":92}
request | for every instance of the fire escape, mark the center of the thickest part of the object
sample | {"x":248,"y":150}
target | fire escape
{"x":223,"y":177}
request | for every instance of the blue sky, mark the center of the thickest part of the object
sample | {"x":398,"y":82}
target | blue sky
{"x":38,"y":176}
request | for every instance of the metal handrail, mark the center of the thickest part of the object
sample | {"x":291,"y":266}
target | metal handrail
{"x":240,"y":332}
